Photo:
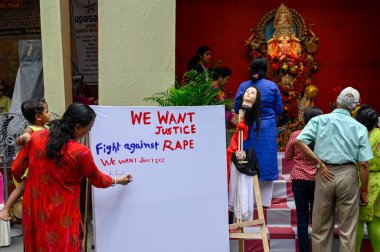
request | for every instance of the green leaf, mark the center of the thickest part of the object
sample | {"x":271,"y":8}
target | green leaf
{"x":197,"y":91}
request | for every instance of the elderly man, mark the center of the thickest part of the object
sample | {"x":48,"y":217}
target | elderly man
{"x":340,"y":141}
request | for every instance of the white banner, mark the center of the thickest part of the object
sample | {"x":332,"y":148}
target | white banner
{"x":85,"y":29}
{"x":178,"y":199}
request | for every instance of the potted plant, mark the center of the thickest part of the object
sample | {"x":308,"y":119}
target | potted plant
{"x":195,"y":90}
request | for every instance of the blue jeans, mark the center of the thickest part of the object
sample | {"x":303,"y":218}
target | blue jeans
{"x":303,"y":191}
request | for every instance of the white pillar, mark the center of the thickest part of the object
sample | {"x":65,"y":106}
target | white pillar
{"x":136,"y":50}
{"x":55,"y":35}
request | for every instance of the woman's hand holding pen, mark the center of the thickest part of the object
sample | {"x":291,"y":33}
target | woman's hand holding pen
{"x":122,"y":180}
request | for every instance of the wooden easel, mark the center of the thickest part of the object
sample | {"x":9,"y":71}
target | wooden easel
{"x":239,"y":225}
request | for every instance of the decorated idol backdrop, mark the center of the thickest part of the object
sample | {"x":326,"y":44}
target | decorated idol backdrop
{"x":317,"y":60}
{"x":289,"y":45}
{"x":178,"y":199}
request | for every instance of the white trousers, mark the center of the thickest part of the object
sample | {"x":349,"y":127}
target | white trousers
{"x":266,"y":190}
{"x":241,"y":196}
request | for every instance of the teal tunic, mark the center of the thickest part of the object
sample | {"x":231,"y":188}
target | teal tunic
{"x":338,"y":138}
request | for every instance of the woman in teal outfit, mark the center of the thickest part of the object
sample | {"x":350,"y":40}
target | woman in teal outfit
{"x":370,"y":214}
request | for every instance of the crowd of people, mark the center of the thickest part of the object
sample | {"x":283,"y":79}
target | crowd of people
{"x":336,"y":171}
{"x":336,"y":166}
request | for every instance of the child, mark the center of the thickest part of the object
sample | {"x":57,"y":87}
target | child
{"x":303,"y":181}
{"x":36,"y":112}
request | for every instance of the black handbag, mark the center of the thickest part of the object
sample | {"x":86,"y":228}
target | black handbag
{"x":250,"y":167}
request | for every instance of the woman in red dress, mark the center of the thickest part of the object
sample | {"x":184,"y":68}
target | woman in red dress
{"x":57,"y":163}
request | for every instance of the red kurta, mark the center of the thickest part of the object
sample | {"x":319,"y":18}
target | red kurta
{"x":51,"y":215}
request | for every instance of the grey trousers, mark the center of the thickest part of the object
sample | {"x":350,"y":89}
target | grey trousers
{"x":343,"y":194}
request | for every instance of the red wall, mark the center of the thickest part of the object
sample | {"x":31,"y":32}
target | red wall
{"x":348,"y":47}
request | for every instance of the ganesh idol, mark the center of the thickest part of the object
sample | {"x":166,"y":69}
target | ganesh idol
{"x":284,"y":42}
